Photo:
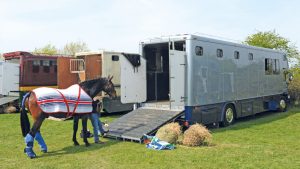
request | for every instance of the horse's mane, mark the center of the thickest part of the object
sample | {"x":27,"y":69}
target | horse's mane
{"x":90,"y":83}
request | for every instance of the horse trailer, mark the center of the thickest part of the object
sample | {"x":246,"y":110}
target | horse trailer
{"x":9,"y":84}
{"x":91,"y":65}
{"x":201,"y":79}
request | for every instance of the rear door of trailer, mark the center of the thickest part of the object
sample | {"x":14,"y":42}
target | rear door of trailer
{"x":177,"y":66}
{"x":133,"y":81}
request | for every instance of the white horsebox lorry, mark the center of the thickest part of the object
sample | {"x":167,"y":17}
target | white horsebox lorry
{"x":9,"y":84}
{"x":199,"y":79}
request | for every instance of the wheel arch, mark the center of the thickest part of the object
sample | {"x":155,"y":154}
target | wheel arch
{"x":233,"y":104}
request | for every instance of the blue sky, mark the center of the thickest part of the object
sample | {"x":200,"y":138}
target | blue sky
{"x":120,"y":25}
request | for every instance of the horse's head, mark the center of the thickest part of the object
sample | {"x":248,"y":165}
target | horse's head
{"x":109,"y":87}
{"x":93,"y":87}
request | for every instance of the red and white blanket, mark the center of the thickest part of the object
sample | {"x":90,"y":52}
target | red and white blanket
{"x":71,"y":100}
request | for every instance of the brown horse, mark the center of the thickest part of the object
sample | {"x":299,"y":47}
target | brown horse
{"x":90,"y":87}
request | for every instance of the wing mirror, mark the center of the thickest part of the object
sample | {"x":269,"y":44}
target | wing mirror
{"x":291,"y":77}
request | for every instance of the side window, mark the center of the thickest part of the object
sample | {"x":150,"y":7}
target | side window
{"x":46,"y":66}
{"x":236,"y":54}
{"x":284,"y":57}
{"x":36,"y":66}
{"x":115,"y":58}
{"x":268,"y":66}
{"x":276,"y":67}
{"x":250,"y":56}
{"x":219,"y":53}
{"x":54,"y":64}
{"x":77,"y":65}
{"x":180,"y":45}
{"x":199,"y":50}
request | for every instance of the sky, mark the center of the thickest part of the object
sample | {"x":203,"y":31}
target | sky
{"x":120,"y":25}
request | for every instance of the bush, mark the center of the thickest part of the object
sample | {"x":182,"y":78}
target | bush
{"x":169,"y":133}
{"x":294,"y":86}
{"x":196,"y":135}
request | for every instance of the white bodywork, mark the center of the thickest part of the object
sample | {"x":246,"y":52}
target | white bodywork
{"x":9,"y":78}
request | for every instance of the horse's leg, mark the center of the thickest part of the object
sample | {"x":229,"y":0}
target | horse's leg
{"x":39,"y":138}
{"x":75,"y":128}
{"x":84,"y":119}
{"x":38,"y":120}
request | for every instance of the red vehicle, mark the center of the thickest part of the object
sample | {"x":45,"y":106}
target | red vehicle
{"x":35,"y":70}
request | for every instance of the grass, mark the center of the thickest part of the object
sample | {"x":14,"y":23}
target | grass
{"x":268,"y":140}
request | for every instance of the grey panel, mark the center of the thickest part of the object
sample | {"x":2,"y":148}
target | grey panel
{"x":8,"y":99}
{"x":139,"y":122}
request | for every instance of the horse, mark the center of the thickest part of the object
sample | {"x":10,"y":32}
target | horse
{"x":89,"y":89}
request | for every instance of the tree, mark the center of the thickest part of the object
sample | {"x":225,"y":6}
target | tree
{"x":73,"y":47}
{"x":47,"y":49}
{"x":272,"y":40}
{"x":69,"y":49}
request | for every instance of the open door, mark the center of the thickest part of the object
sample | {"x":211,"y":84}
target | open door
{"x":177,"y":64}
{"x":133,"y":78}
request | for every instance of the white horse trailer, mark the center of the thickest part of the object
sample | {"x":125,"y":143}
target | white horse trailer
{"x":203,"y":80}
{"x":9,"y":84}
{"x":104,"y":63}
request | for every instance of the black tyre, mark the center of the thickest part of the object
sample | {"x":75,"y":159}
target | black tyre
{"x":229,"y":116}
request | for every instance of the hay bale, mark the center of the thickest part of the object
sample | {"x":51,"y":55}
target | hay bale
{"x":169,"y":133}
{"x":10,"y":109}
{"x":196,"y":135}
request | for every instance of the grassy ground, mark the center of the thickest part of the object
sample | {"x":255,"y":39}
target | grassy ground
{"x":269,"y":140}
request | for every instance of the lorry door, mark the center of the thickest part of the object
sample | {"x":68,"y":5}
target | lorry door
{"x":133,"y":78}
{"x":177,"y":65}
{"x":9,"y":79}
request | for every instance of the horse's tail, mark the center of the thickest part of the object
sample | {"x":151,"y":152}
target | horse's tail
{"x":25,"y":124}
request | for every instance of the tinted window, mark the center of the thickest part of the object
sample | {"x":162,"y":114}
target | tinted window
{"x":250,"y":56}
{"x":179,"y":45}
{"x":276,"y":67}
{"x":36,"y":66}
{"x":219,"y":53}
{"x":115,"y":58}
{"x":236,"y":54}
{"x":268,"y":66}
{"x":199,"y":50}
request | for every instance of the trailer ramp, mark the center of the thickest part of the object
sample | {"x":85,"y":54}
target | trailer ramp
{"x":8,"y":99}
{"x":133,"y":125}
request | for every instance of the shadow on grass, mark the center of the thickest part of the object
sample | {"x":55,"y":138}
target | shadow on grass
{"x":256,"y":120}
{"x":79,"y":149}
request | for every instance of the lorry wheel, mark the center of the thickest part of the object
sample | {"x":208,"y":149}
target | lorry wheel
{"x":282,"y":105}
{"x":229,"y":116}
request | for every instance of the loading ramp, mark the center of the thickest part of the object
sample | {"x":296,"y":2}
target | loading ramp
{"x":133,"y":125}
{"x":8,"y":99}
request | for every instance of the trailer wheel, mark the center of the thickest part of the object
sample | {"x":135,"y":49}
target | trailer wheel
{"x":229,"y":116}
{"x":282,"y":105}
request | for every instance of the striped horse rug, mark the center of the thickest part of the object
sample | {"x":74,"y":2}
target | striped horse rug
{"x":71,"y":100}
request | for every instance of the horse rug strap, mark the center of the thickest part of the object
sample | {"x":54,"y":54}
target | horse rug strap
{"x":71,"y":100}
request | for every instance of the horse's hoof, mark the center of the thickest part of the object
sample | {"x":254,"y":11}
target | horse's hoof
{"x":76,"y":143}
{"x":44,"y":151}
{"x":29,"y":152}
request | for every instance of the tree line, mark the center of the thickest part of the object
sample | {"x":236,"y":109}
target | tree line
{"x":69,"y":49}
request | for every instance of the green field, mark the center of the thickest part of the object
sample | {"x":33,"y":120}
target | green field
{"x":268,"y":140}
